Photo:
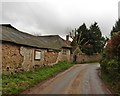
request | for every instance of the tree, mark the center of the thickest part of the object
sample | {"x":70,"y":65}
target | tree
{"x":116,"y":28}
{"x":82,"y":34}
{"x":73,"y":35}
{"x":116,"y":45}
{"x":83,"y":38}
{"x":95,"y":37}
{"x":89,"y":40}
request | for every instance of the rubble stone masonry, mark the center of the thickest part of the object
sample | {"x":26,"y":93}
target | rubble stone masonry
{"x":64,"y":56}
{"x":17,"y":58}
{"x":86,"y":58}
{"x":11,"y":58}
{"x":51,"y":58}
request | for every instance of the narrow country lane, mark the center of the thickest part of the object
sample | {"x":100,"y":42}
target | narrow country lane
{"x":79,"y":79}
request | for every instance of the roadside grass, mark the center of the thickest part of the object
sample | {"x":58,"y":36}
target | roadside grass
{"x":113,"y":85}
{"x":14,"y":84}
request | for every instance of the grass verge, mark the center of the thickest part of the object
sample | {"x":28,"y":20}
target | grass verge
{"x":13,"y":84}
{"x":113,"y":85}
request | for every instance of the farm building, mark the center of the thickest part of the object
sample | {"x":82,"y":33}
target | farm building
{"x":22,"y":51}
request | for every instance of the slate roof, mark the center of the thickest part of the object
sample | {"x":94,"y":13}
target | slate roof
{"x":54,"y":40}
{"x":11,"y":34}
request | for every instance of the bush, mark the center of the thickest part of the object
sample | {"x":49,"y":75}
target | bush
{"x":110,"y":66}
{"x":110,"y":72}
{"x":110,"y":62}
{"x":104,"y":61}
{"x":113,"y":47}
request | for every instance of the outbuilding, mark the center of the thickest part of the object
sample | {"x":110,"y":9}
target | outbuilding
{"x":22,"y":51}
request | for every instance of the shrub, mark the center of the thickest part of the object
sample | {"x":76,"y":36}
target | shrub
{"x":110,"y":66}
{"x":116,"y":45}
{"x":103,"y":62}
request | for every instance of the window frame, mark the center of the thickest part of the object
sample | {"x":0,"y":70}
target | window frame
{"x":64,"y":51}
{"x":36,"y":55}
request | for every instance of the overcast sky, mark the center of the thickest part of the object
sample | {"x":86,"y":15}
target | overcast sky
{"x":47,"y":17}
{"x":119,"y":9}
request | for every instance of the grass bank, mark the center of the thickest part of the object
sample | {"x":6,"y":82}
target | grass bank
{"x":13,"y":84}
{"x":113,"y":85}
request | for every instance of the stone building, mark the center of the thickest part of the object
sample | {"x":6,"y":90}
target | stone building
{"x":22,"y":51}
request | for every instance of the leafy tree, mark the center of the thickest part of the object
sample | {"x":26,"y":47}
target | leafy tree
{"x":116,"y":28}
{"x":116,"y":45}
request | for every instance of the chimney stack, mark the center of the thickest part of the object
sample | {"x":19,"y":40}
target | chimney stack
{"x":67,"y":37}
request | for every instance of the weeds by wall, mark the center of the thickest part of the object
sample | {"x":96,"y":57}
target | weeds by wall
{"x":18,"y":82}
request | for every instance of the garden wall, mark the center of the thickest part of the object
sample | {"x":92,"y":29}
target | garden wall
{"x":86,"y":58}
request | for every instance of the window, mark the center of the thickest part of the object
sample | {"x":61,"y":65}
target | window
{"x":37,"y":55}
{"x":64,"y":52}
{"x":50,"y":50}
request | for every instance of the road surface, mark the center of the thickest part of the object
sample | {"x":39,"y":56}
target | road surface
{"x":79,"y":79}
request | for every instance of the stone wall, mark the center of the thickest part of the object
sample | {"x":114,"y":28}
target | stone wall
{"x":16,"y":58}
{"x":29,"y":62}
{"x":27,"y":54}
{"x":11,"y":58}
{"x":0,"y":57}
{"x":86,"y":58}
{"x":50,"y":58}
{"x":64,"y":56}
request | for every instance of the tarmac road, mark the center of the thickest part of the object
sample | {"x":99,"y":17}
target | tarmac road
{"x":79,"y":79}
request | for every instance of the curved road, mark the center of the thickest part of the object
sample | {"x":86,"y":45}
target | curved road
{"x":79,"y":79}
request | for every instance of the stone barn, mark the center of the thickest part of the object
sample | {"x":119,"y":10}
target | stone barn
{"x":22,"y":51}
{"x":57,"y":43}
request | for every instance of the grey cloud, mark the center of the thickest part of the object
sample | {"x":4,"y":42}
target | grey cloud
{"x":119,"y":9}
{"x":28,"y":15}
{"x":55,"y":17}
